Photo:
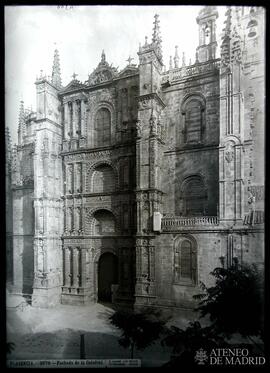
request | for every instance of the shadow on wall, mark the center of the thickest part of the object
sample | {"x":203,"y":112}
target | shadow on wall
{"x":28,"y":246}
{"x":114,"y":274}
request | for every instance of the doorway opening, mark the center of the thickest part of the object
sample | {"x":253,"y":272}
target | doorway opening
{"x":107,"y":276}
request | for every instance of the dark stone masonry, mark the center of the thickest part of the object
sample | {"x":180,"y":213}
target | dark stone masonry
{"x":133,"y":186}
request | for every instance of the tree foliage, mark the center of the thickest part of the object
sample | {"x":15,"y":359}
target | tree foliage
{"x":235,"y":303}
{"x":186,"y":342}
{"x":139,"y":329}
{"x":10,"y":346}
{"x":192,"y":338}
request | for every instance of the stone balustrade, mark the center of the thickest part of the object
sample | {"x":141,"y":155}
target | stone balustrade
{"x":174,"y":223}
{"x":186,"y":71}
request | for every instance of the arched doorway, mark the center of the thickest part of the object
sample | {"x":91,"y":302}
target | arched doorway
{"x":107,"y":275}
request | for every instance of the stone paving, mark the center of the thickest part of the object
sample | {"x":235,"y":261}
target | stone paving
{"x":55,"y":334}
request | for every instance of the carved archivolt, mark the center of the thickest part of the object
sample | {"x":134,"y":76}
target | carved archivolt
{"x":91,"y":171}
{"x":90,"y":220}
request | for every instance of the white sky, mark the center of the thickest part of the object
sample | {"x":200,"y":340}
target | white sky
{"x":80,"y":35}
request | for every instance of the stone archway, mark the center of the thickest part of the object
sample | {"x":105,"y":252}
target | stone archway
{"x":107,"y":276}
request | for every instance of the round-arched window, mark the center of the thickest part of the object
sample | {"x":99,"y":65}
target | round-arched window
{"x":185,"y":262}
{"x":194,"y":197}
{"x":103,"y":179}
{"x":102,"y":133}
{"x":104,"y":223}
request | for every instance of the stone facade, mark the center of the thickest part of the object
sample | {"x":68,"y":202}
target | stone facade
{"x":155,"y":173}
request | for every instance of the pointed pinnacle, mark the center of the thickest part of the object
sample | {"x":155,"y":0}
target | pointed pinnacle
{"x":103,"y":56}
{"x":56,"y":71}
{"x":176,"y":57}
{"x":156,"y":31}
{"x":183,"y":59}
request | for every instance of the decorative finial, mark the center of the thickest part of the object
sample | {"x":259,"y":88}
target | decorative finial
{"x":41,"y":74}
{"x":56,"y":72}
{"x":73,"y":76}
{"x":190,"y":63}
{"x":140,"y":47}
{"x":129,"y":60}
{"x":103,"y":57}
{"x":156,"y":31}
{"x":176,"y":58}
{"x":170,"y":63}
{"x":21,"y":126}
{"x":146,"y":38}
{"x":183,"y":59}
{"x":8,"y":144}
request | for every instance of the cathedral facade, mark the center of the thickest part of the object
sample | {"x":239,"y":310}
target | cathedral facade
{"x":133,"y":186}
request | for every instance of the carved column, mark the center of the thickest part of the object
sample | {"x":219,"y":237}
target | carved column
{"x":70,"y":219}
{"x":78,"y":173}
{"x":82,"y":118}
{"x":65,"y":216}
{"x":68,"y":273}
{"x":74,"y":118}
{"x":83,"y":178}
{"x":40,"y":257}
{"x":75,"y":267}
{"x":139,"y":209}
{"x":79,"y":214}
{"x":83,"y":268}
{"x":45,"y":214}
{"x":69,"y":178}
{"x":78,"y":119}
{"x":70,"y":118}
{"x":66,"y":121}
{"x":145,"y":271}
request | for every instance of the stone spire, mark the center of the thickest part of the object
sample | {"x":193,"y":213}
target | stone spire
{"x":56,"y":72}
{"x":8,"y":148}
{"x":156,"y":31}
{"x":176,"y":58}
{"x":156,"y":38}
{"x":21,"y":127}
{"x":103,"y":56}
{"x":154,"y":46}
{"x":228,"y":23}
{"x":231,"y":46}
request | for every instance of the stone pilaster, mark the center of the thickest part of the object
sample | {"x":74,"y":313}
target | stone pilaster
{"x":66,"y":121}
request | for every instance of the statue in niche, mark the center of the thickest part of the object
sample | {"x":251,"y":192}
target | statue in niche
{"x":251,"y":199}
{"x":229,"y":154}
{"x":153,"y":125}
{"x":138,"y":128}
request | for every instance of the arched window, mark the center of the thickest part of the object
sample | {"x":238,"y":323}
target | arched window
{"x":194,"y":197}
{"x":104,"y":223}
{"x":103,"y":179}
{"x":193,"y":113}
{"x":185,"y":262}
{"x":102,"y":135}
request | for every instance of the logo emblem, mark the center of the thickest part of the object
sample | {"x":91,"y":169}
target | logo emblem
{"x":201,"y":356}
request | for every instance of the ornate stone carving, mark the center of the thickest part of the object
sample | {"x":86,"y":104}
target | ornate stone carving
{"x":104,"y":72}
{"x":144,"y":104}
{"x":256,"y":193}
{"x":138,"y":128}
{"x":229,"y":152}
{"x":153,"y":125}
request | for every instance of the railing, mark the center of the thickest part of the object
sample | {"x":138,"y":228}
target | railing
{"x":185,"y":71}
{"x":172,"y":223}
{"x":254,"y":217}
